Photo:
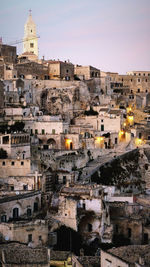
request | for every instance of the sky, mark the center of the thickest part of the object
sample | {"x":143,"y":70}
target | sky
{"x":112,"y":35}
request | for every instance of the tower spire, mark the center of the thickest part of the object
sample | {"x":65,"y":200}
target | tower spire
{"x":30,"y":11}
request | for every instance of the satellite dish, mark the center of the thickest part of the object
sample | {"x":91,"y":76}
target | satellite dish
{"x":6,"y":237}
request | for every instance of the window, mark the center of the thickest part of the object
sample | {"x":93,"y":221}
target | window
{"x":3,"y":163}
{"x":64,"y":179}
{"x":131,"y":80}
{"x":138,"y":90}
{"x":116,"y":141}
{"x":89,"y":227}
{"x":102,"y":120}
{"x":53,"y":131}
{"x":35,"y":206}
{"x":36,"y":131}
{"x":140,"y":135}
{"x":129,"y":232}
{"x":145,"y":238}
{"x":102,"y":127}
{"x":12,"y":188}
{"x":31,"y":45}
{"x":12,"y":163}
{"x":143,"y":74}
{"x":67,"y":71}
{"x":146,"y":80}
{"x":29,"y":238}
{"x":15,"y":213}
{"x":139,"y":80}
{"x":29,"y":212}
{"x":134,"y":74}
{"x":3,"y":218}
{"x":25,"y":187}
{"x":139,"y":74}
{"x":22,"y":163}
{"x":40,"y":237}
{"x":43,"y":131}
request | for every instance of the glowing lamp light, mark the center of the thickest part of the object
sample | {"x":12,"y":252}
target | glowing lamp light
{"x":138,"y":141}
{"x":68,"y":141}
{"x":99,"y":139}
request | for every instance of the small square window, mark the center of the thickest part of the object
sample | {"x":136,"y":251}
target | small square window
{"x":3,"y":163}
{"x":36,"y":131}
{"x":12,"y":163}
{"x":40,"y":237}
{"x":22,"y":163}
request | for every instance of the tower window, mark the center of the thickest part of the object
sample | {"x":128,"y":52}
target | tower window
{"x":31,"y":45}
{"x":31,"y":30}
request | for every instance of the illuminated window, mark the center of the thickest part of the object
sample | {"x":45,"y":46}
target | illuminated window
{"x":31,"y":45}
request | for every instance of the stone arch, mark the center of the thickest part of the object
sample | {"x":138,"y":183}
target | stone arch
{"x":52,"y":143}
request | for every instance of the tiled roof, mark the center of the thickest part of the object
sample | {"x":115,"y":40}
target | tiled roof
{"x":26,"y":255}
{"x":131,"y":254}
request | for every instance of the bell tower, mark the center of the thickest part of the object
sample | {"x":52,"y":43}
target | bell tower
{"x":30,"y":43}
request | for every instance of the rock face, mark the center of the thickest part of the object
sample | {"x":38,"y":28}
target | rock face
{"x":61,"y":97}
{"x":126,"y":172}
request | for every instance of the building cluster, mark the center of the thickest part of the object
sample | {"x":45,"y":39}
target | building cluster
{"x":74,"y":162}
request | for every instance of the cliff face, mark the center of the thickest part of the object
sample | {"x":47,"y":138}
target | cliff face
{"x":126,"y":172}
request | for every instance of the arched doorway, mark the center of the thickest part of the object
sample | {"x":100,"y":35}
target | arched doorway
{"x":51,"y":143}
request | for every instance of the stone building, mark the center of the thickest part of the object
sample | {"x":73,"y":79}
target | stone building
{"x":16,"y":206}
{"x":127,"y":256}
{"x":1,"y":96}
{"x":59,"y":70}
{"x":17,"y":145}
{"x":32,"y":70}
{"x":82,"y":208}
{"x":86,"y":72}
{"x":34,"y":233}
{"x":7,"y":53}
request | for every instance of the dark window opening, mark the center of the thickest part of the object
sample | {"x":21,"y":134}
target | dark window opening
{"x":25,"y":187}
{"x":29,"y":238}
{"x":64,"y":179}
{"x":129,"y":232}
{"x":35,"y":206}
{"x":102,"y":127}
{"x":140,"y":135}
{"x":29,"y":212}
{"x":145,"y":238}
{"x":3,"y":218}
{"x":89,"y":227}
{"x":15,"y":213}
{"x":31,"y":45}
